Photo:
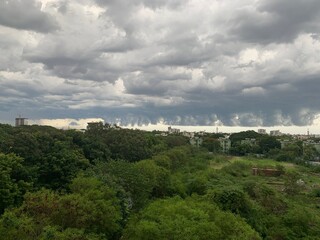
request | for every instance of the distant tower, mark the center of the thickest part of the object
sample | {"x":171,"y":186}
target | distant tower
{"x":308,"y":132}
{"x":20,"y":121}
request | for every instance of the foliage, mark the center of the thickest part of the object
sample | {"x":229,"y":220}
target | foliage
{"x":292,"y":186}
{"x":113,"y":183}
{"x":243,"y":149}
{"x":267,"y":143}
{"x":231,"y":199}
{"x":238,"y":169}
{"x":14,"y":180}
{"x":237,"y":137}
{"x":89,"y":208}
{"x":141,"y":181}
{"x":211,"y":144}
{"x":186,"y":219}
{"x":267,"y":197}
{"x":175,"y":141}
{"x":60,"y":166}
{"x":264,"y":144}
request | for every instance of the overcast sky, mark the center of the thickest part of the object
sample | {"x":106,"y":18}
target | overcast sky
{"x":180,"y":62}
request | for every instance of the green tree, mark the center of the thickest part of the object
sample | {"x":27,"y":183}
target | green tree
{"x":175,"y":141}
{"x":13,"y":180}
{"x":186,"y":219}
{"x":310,"y":153}
{"x":60,"y":166}
{"x":237,"y":137}
{"x":231,"y":199}
{"x":212,"y":144}
{"x":131,"y":178}
{"x":291,"y":184}
{"x":268,"y":143}
{"x":89,"y":211}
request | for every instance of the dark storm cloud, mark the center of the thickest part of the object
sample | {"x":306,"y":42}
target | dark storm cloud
{"x":281,"y":104}
{"x":27,"y":15}
{"x":73,"y":68}
{"x":273,"y":21}
{"x":155,"y":81}
{"x":151,"y":4}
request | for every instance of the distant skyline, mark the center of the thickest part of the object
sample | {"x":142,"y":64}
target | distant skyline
{"x":233,"y":63}
{"x":68,"y":123}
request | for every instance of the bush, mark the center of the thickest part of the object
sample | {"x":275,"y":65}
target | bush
{"x":316,"y":192}
{"x":238,"y":169}
{"x":231,"y":199}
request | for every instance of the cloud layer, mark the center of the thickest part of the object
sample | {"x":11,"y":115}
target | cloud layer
{"x":194,"y":62}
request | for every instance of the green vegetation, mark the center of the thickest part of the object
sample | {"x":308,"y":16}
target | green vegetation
{"x":113,"y":183}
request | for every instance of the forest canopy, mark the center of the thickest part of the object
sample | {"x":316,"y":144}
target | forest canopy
{"x":114,"y":183}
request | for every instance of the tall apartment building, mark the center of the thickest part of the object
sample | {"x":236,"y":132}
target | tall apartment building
{"x":20,"y":121}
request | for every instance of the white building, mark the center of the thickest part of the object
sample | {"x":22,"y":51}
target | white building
{"x":173,"y":130}
{"x":188,"y":134}
{"x":196,"y":141}
{"x":316,"y":145}
{"x":262,"y":131}
{"x":249,"y":141}
{"x":285,"y":143}
{"x":225,"y":144}
{"x":275,"y":133}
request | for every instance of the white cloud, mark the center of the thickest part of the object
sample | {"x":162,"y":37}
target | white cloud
{"x":67,"y":123}
{"x":253,"y":91}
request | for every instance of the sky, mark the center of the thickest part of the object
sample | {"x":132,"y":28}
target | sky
{"x":151,"y":63}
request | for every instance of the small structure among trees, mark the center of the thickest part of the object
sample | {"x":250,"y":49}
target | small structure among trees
{"x":270,"y":172}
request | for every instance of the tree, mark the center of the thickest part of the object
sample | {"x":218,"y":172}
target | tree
{"x":295,"y":149}
{"x":237,"y":137}
{"x":310,"y":153}
{"x":13,"y":180}
{"x":60,"y":166}
{"x":194,"y":219}
{"x":232,"y":199}
{"x":212,"y":144}
{"x":291,"y":184}
{"x":242,"y":149}
{"x":176,"y":141}
{"x":268,"y":143}
{"x":90,"y":211}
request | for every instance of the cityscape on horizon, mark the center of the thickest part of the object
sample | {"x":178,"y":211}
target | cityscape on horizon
{"x":82,"y":124}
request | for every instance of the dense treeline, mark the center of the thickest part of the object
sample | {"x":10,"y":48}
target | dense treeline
{"x":112,"y":183}
{"x":253,"y":143}
{"x":264,"y":143}
{"x":261,"y":143}
{"x":53,"y":157}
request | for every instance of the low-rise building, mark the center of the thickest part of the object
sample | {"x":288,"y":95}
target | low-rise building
{"x":172,"y":130}
{"x":285,"y":143}
{"x":262,"y":131}
{"x":196,"y":141}
{"x":188,"y":134}
{"x":275,"y":133}
{"x":249,"y":141}
{"x":225,"y":144}
{"x":301,"y":137}
{"x":316,"y":145}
